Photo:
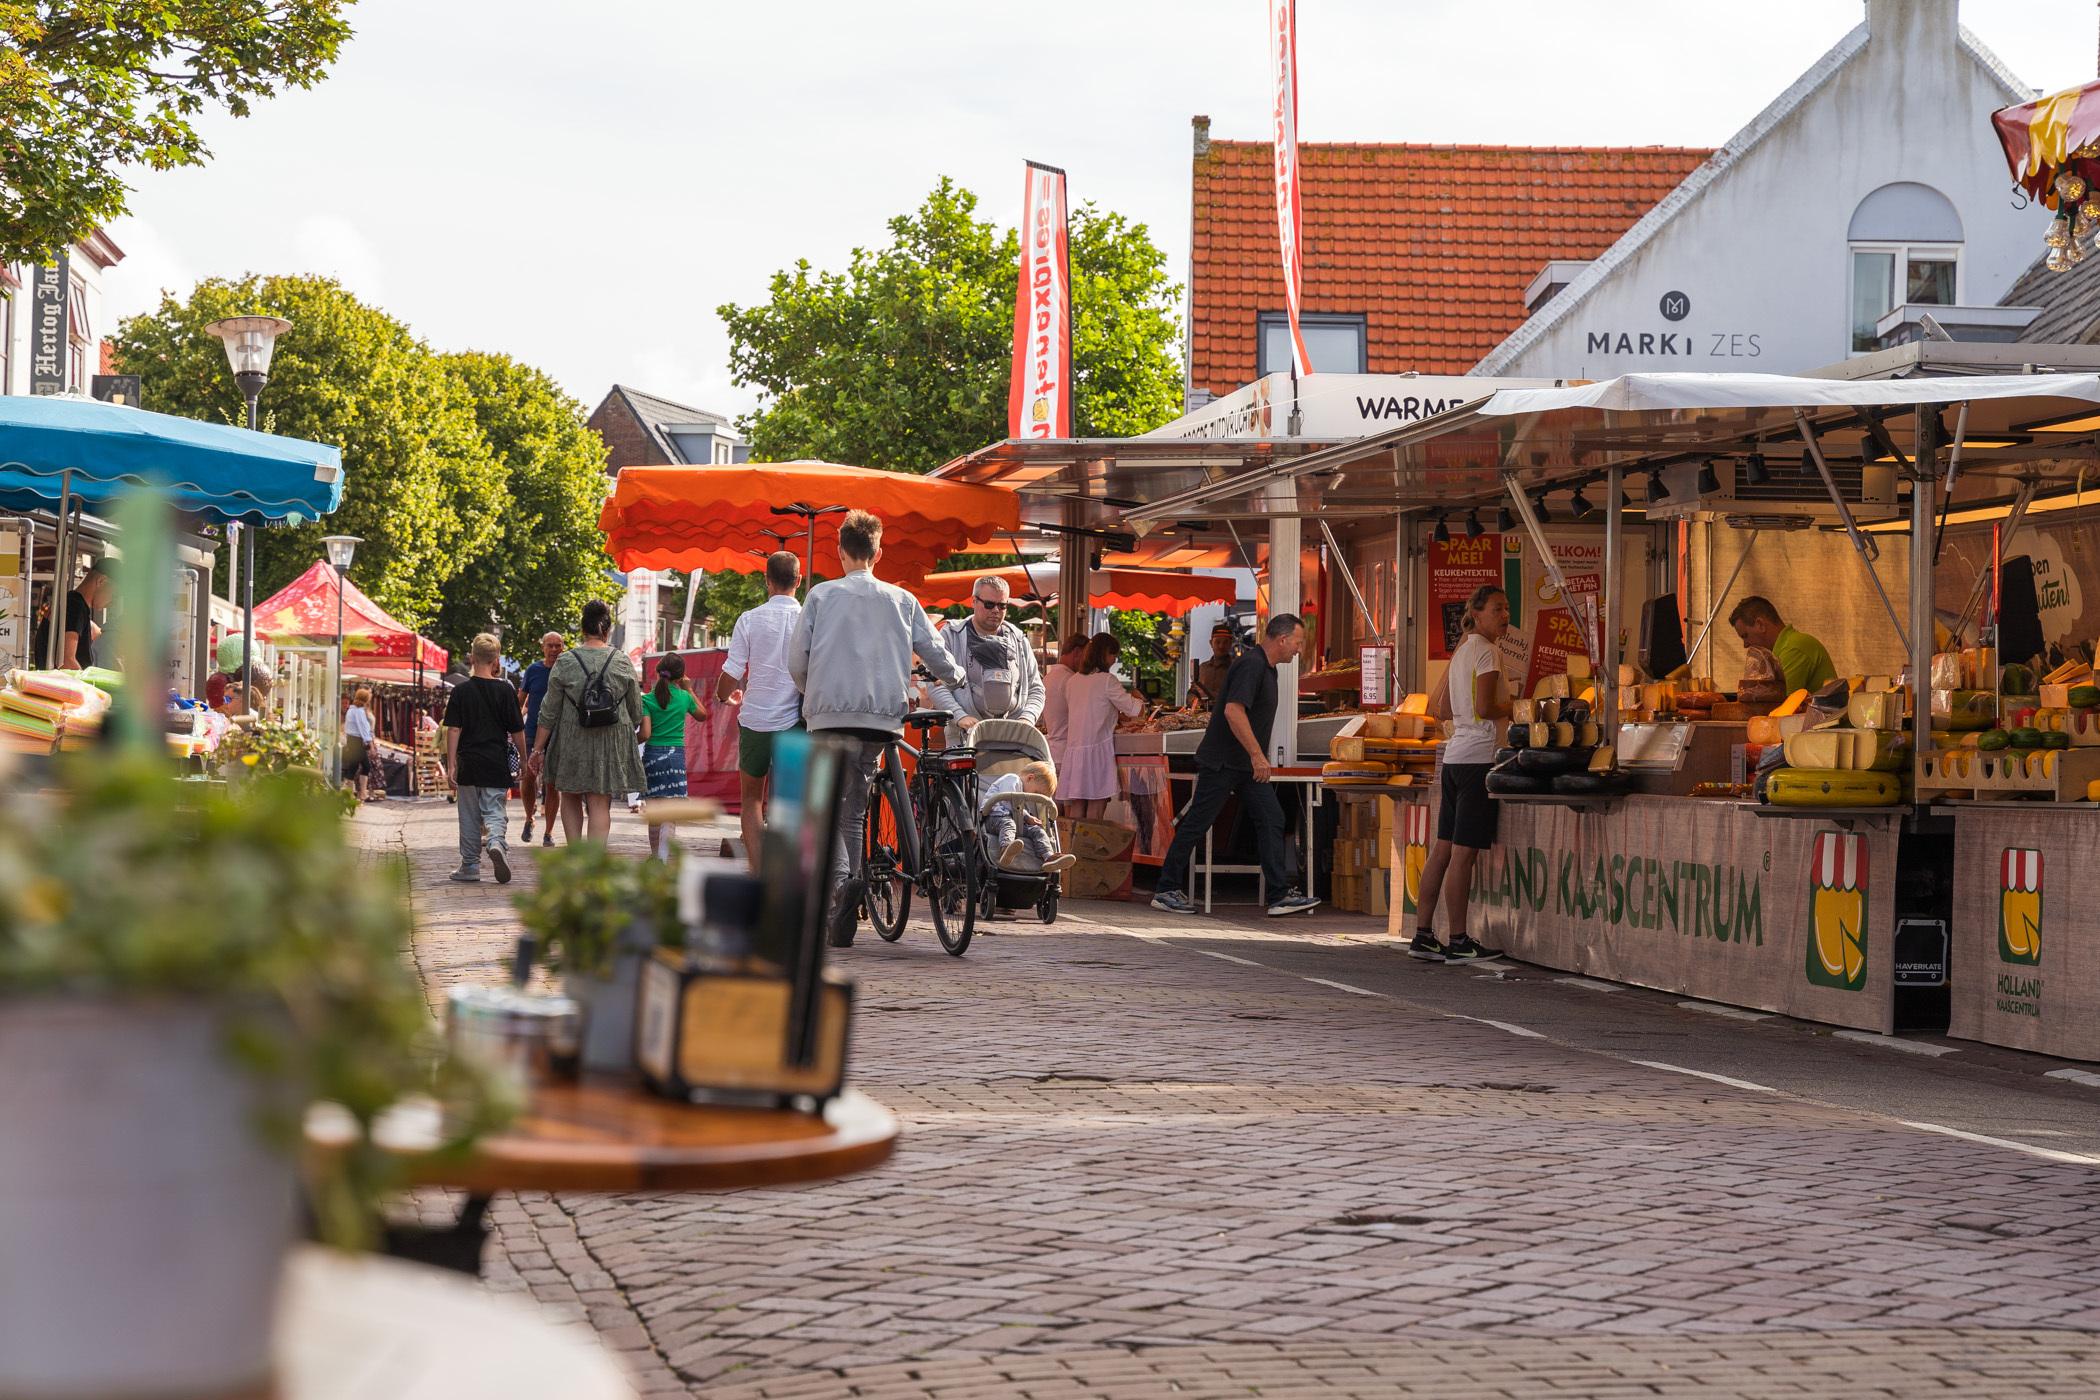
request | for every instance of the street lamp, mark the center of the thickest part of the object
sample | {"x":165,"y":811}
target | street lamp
{"x":341,"y":550}
{"x":249,"y":340}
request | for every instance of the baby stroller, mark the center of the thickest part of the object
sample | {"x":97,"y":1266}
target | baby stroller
{"x":1004,"y":746}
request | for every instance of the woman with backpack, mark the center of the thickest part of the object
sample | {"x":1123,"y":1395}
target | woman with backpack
{"x":591,"y":726}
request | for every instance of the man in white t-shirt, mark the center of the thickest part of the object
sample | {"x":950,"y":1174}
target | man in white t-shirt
{"x":755,"y":678}
{"x":1466,"y":819}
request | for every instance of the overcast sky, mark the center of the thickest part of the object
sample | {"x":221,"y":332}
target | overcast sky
{"x":580,"y":185}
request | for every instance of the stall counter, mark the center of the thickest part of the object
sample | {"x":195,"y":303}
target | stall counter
{"x":2026,"y":938}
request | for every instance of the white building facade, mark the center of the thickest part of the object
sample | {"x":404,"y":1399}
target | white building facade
{"x":27,"y":294}
{"x":1872,"y":190}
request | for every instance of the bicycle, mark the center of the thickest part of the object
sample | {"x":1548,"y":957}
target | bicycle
{"x":922,"y":833}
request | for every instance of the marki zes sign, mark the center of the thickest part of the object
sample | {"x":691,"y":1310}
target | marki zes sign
{"x":1672,"y":340}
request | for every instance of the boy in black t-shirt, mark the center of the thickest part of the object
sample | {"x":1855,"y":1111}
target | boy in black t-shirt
{"x":481,"y":721}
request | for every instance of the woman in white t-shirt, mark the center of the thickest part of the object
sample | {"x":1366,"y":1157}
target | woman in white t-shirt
{"x":1465,"y":824}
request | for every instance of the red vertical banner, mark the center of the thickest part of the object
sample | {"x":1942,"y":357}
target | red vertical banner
{"x":1039,"y":401}
{"x":1283,"y":62}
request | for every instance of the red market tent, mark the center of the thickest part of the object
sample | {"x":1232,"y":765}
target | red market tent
{"x":1138,"y":590}
{"x":731,"y":517}
{"x":2050,"y":135}
{"x":375,"y":645}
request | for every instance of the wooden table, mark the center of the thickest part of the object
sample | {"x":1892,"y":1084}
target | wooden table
{"x":357,"y":1327}
{"x":606,"y":1133}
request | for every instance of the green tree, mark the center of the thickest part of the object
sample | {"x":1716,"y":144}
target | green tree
{"x":902,"y":360}
{"x":547,"y":557}
{"x":420,"y":483}
{"x":89,"y":88}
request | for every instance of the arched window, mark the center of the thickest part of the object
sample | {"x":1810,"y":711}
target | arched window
{"x":1906,"y":248}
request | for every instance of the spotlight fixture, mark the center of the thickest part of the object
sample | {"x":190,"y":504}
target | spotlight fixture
{"x":1442,"y":533}
{"x":1505,"y":520}
{"x":1656,"y":490}
{"x":1709,"y":484}
{"x":1580,"y":505}
{"x":1625,"y":499}
{"x":1538,"y":503}
{"x":1473,"y":526}
{"x":1754,"y":469}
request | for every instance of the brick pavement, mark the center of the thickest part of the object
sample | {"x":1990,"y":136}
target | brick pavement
{"x":1129,"y":1170}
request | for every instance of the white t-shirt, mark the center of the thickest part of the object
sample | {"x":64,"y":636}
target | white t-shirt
{"x":1055,"y":713}
{"x":758,"y":658}
{"x":1472,"y":738}
{"x":357,"y":723}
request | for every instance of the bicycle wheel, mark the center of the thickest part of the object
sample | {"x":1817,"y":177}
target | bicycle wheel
{"x":887,"y":895}
{"x":951,"y":871}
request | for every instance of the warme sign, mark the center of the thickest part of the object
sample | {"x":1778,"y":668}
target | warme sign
{"x":1336,"y":407}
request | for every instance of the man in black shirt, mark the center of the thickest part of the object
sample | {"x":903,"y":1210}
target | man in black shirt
{"x":1231,"y":760}
{"x":481,"y":721}
{"x":76,"y":643}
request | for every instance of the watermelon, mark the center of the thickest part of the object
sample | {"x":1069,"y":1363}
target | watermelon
{"x":1994,"y":739}
{"x":2016,"y":679}
{"x":2084,"y":697}
{"x":2026,"y":738}
{"x":2055,"y":739}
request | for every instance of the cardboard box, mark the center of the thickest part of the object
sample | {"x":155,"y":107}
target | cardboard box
{"x":1376,"y":895}
{"x":1098,"y":879}
{"x":1095,"y":840}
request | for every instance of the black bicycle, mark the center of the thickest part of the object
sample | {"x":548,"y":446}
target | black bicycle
{"x":922,"y":833}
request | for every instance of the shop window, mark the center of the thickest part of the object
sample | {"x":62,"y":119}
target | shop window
{"x":1906,"y":242}
{"x":1335,"y":343}
{"x":80,"y":336}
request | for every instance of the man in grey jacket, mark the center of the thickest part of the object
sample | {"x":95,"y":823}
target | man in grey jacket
{"x":1004,"y":681}
{"x":851,"y":656}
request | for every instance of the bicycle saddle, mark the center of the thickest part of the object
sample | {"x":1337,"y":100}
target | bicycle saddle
{"x":927,"y":719}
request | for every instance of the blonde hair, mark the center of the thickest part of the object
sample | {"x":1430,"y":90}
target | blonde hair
{"x":1041,"y":772}
{"x":361,"y":696}
{"x":486,"y":649}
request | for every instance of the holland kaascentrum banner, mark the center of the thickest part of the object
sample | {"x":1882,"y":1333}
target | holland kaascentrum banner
{"x":1039,"y":403}
{"x":1283,"y":63}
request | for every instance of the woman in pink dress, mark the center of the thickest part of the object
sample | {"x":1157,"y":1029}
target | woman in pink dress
{"x":1086,"y":774}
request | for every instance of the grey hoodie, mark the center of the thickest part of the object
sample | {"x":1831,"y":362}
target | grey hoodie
{"x":851,"y":654}
{"x":1023,"y":689}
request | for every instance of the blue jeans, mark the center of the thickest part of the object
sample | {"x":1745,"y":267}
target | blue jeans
{"x":1258,"y":802}
{"x":482,"y":822}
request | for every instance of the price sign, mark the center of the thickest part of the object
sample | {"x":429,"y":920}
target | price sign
{"x":1375,"y":676}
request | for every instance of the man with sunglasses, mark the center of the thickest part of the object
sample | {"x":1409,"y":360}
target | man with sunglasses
{"x":1001,"y":678}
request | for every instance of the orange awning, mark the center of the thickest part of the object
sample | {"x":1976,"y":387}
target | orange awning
{"x":1139,"y":590}
{"x":731,"y":517}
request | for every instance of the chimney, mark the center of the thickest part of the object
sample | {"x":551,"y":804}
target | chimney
{"x":1202,"y":126}
{"x":1937,"y":21}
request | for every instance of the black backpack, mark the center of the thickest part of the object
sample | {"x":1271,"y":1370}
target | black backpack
{"x":596,"y":708}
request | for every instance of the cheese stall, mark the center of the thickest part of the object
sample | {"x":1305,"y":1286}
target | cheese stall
{"x":1870,"y":852}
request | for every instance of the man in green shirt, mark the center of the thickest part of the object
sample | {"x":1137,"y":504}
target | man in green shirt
{"x":1801,"y":657}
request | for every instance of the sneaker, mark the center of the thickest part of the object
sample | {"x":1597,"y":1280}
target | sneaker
{"x":1174,"y":902}
{"x":1010,"y":858}
{"x":1063,"y":860}
{"x":527,"y":838}
{"x":1293,"y":902}
{"x":465,"y":877}
{"x":1426,"y":947}
{"x":546,"y":836}
{"x":501,"y":862}
{"x":845,"y":914}
{"x":1464,"y":949}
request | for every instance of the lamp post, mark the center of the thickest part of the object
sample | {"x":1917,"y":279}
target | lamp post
{"x":249,"y":342}
{"x":341,"y":550}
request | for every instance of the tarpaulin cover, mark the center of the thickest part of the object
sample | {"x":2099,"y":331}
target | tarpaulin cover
{"x":2038,"y":136}
{"x":304,"y":610}
{"x":1138,"y":590}
{"x":687,"y":518}
{"x":211,"y":470}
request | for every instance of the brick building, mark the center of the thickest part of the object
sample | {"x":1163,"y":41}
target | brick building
{"x":642,"y":430}
{"x":1417,"y":257}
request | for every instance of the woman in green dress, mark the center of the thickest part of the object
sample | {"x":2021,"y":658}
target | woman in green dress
{"x":589,"y":765}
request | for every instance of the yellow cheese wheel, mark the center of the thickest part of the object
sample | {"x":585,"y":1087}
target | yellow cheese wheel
{"x":1377,"y":727}
{"x":1791,"y":704}
{"x":1541,"y":734}
{"x":1563,"y":735}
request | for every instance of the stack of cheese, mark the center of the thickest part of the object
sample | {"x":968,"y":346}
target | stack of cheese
{"x":43,"y":710}
{"x":1385,"y":749}
{"x":1859,"y":760}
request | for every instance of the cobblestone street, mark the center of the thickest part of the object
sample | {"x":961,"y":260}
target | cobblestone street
{"x":1135,"y":1166}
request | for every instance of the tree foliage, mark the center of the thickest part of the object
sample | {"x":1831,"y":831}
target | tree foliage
{"x":471,"y":478}
{"x":902,"y":360}
{"x":91,"y":87}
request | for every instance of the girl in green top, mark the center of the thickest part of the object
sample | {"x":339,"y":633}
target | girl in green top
{"x":668,"y":704}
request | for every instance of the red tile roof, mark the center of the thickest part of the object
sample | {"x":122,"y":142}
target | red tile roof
{"x":1433,"y":245}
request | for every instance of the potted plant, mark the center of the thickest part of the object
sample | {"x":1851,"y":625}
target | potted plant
{"x":594,"y":916}
{"x":183,"y":970}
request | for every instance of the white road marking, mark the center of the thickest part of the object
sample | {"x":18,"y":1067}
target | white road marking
{"x":1591,"y":984}
{"x":2076,"y":1076}
{"x":1502,"y":1026}
{"x":1736,"y":1013}
{"x":1702,"y":1074}
{"x":1227,"y":957}
{"x":2047,"y":1154}
{"x":1908,"y":1047}
{"x":1341,"y":986}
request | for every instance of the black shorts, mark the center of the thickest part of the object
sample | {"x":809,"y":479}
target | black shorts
{"x":1467,"y":817}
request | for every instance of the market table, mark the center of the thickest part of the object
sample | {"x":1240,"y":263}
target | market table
{"x":358,"y":1327}
{"x":1209,"y":868}
{"x":607,"y":1133}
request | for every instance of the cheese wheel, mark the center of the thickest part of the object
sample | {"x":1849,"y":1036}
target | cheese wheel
{"x":1791,"y":704}
{"x":1524,"y":711}
{"x":1587,"y":734}
{"x":1563,"y":735}
{"x":1541,"y":734}
{"x":1377,"y":727}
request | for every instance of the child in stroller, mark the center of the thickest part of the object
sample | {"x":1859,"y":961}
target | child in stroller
{"x":1016,"y":818}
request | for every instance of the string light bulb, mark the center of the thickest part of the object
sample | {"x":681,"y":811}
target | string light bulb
{"x":2070,"y":186}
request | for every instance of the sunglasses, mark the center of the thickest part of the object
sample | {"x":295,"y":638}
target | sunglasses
{"x":998,"y":603}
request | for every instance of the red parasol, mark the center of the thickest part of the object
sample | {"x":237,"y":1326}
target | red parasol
{"x":304,"y":610}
